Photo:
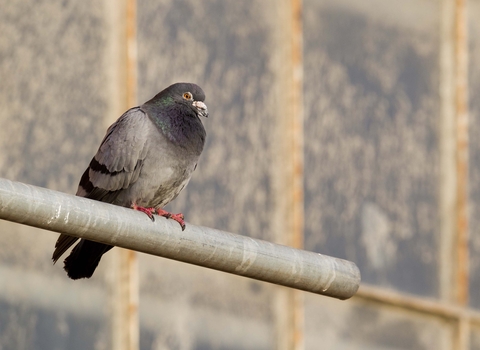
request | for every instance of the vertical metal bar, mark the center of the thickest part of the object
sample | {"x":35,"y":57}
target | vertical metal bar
{"x":131,"y":52}
{"x":297,"y":123}
{"x":462,"y":334}
{"x":289,"y":304}
{"x":122,"y":82}
{"x":297,"y":238}
{"x":461,"y":109}
{"x":127,"y":283}
{"x":454,"y":269}
{"x":447,"y":145}
{"x":454,"y":153}
{"x":124,"y":300}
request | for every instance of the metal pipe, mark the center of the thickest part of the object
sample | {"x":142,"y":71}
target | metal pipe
{"x":426,"y":306}
{"x":223,"y":251}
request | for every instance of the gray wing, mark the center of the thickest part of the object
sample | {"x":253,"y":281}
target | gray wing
{"x":119,"y":159}
{"x":115,"y":167}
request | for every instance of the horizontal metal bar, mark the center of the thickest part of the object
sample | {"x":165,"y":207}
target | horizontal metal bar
{"x":426,"y":306}
{"x":223,"y":251}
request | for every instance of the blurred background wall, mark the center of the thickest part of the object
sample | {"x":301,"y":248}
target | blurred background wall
{"x":386,"y":92}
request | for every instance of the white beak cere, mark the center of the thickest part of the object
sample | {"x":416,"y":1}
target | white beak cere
{"x":201,"y":108}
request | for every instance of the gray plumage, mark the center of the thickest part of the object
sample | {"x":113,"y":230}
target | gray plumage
{"x":146,"y":158}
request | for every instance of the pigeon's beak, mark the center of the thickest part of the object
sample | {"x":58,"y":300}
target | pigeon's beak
{"x":201,"y":108}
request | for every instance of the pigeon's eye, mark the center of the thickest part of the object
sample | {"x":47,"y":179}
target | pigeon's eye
{"x":187,"y":96}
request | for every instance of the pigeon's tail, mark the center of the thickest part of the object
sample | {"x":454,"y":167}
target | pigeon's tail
{"x":84,"y":259}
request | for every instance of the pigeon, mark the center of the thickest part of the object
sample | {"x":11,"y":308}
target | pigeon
{"x":145,"y":159}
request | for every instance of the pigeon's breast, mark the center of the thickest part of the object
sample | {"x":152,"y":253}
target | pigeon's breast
{"x":164,"y":186}
{"x":166,"y":170}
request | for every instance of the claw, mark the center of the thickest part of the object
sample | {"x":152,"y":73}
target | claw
{"x":163,"y":213}
{"x":148,"y":211}
{"x":177,"y":217}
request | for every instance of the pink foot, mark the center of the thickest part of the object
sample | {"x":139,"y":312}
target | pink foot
{"x":148,"y":211}
{"x":177,"y":217}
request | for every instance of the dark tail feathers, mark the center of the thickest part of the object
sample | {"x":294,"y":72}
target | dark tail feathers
{"x":84,"y":259}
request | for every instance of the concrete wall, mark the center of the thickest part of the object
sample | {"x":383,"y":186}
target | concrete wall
{"x":372,"y":107}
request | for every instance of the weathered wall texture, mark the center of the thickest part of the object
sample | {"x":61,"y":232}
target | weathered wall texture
{"x":371,"y":165}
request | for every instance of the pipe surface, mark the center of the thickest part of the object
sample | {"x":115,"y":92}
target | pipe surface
{"x":207,"y":247}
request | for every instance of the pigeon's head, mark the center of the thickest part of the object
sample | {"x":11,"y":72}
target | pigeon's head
{"x":188,"y":94}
